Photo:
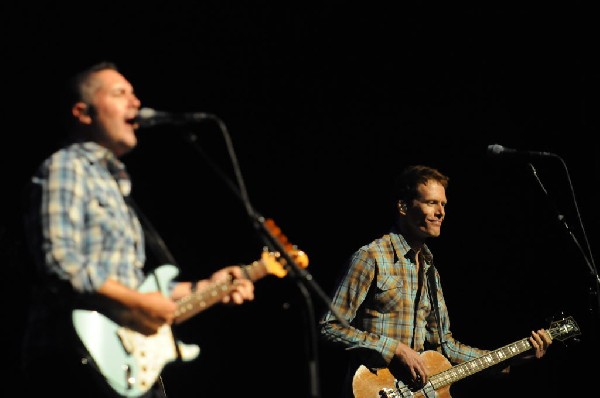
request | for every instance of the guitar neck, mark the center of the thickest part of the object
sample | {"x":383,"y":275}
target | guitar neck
{"x":197,"y":302}
{"x":478,"y":364}
{"x":473,"y":366}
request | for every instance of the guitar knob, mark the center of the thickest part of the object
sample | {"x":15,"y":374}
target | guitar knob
{"x":388,"y":393}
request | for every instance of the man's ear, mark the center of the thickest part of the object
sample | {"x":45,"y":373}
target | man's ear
{"x":81,"y":111}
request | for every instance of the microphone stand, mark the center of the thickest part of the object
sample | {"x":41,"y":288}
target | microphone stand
{"x":594,"y":291}
{"x":302,"y":277}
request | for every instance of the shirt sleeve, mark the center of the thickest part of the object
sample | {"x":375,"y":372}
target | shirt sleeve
{"x":375,"y":350}
{"x":63,"y":205}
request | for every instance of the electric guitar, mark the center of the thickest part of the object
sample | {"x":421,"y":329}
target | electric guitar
{"x":381,"y":383}
{"x":131,"y":362}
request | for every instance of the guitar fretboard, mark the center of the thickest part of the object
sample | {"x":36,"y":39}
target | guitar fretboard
{"x":197,"y":302}
{"x":492,"y":358}
{"x":473,"y":366}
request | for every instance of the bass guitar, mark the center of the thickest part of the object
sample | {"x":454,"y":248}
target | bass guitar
{"x":381,"y":383}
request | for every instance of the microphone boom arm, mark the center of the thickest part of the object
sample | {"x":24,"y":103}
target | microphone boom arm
{"x":589,"y":260}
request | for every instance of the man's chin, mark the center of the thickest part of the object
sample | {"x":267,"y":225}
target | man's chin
{"x":434,"y":233}
{"x":126,"y":146}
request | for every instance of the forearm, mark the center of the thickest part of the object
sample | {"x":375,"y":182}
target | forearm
{"x":120,"y":294}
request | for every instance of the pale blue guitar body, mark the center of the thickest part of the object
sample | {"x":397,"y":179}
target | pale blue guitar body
{"x":130,"y":361}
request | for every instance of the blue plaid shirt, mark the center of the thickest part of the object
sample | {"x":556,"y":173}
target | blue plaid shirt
{"x":81,"y":232}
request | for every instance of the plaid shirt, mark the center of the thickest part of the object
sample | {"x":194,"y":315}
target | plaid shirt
{"x":81,"y":232}
{"x":380,"y":297}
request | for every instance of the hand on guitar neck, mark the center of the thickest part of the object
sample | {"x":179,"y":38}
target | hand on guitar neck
{"x":242,"y":287}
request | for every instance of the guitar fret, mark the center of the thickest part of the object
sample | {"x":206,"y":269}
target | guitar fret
{"x":475,"y":365}
{"x":201,"y":300}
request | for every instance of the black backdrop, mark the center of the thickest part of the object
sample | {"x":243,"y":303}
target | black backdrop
{"x":323,"y":105}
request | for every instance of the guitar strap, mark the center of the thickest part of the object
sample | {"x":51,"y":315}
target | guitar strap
{"x":434,"y":299}
{"x":152,"y":238}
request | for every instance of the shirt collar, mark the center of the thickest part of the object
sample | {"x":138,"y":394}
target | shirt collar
{"x":402,"y":247}
{"x":96,"y":153}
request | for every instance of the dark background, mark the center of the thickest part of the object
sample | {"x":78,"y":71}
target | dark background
{"x":323,"y":105}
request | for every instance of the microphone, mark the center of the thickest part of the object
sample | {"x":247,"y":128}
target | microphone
{"x":148,"y":117}
{"x":499,"y":150}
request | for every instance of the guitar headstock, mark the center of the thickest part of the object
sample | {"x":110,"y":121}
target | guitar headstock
{"x":274,"y":261}
{"x":564,"y":329}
